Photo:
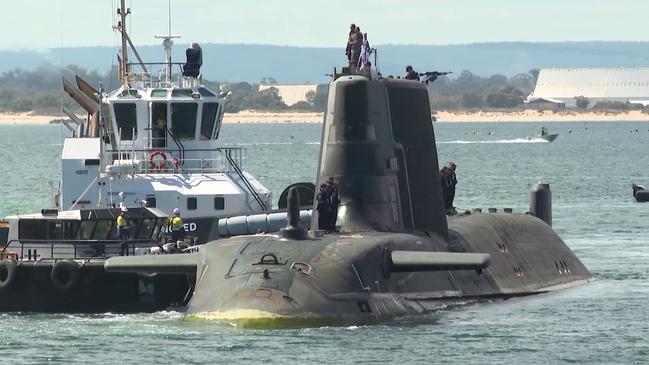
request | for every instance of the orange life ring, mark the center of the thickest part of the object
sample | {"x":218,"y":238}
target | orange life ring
{"x":157,"y":160}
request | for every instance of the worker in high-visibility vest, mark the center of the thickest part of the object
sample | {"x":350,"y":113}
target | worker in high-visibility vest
{"x":177,"y":228}
{"x":123,"y":231}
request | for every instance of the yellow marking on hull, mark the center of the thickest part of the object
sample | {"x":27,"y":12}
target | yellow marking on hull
{"x":250,"y":318}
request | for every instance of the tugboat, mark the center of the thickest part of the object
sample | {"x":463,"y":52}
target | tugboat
{"x":543,"y":136}
{"x":156,"y":140}
{"x":149,"y":147}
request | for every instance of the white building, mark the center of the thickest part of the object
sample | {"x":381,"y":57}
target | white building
{"x":563,"y":85}
{"x":291,"y":94}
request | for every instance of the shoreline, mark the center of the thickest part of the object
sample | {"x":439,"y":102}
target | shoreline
{"x":291,"y":117}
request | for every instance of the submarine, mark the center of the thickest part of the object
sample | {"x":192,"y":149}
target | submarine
{"x":395,"y":251}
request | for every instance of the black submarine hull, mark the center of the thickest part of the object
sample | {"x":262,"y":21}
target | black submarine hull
{"x":348,"y":278}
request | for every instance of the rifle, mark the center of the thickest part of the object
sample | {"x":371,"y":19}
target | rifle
{"x":431,"y":76}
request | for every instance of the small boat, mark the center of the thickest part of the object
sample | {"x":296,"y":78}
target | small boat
{"x":640,"y":194}
{"x":53,"y":261}
{"x":543,"y":135}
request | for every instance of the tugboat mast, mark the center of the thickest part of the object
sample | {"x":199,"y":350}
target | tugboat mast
{"x":124,"y":67}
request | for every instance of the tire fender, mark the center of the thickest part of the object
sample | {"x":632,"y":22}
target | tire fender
{"x":65,"y":275}
{"x":7,"y":274}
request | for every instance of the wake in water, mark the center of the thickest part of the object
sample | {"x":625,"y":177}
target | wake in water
{"x":498,"y":141}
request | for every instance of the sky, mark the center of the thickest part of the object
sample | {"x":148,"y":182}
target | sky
{"x":42,"y":24}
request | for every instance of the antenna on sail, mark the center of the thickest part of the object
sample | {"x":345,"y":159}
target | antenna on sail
{"x":168,"y":44}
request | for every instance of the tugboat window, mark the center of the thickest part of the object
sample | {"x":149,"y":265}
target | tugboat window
{"x":32,"y":229}
{"x":55,"y":230}
{"x":126,"y":118}
{"x":159,"y":124}
{"x":146,"y":229}
{"x":130,"y":93}
{"x":210,"y":111}
{"x":151,"y":202}
{"x":181,"y":93}
{"x":183,"y":120}
{"x":4,"y":235}
{"x":219,"y":118}
{"x":87,"y":229}
{"x":103,"y":230}
{"x":71,"y":230}
{"x":159,"y":93}
{"x":219,"y":203}
{"x":192,"y":203}
{"x":204,"y":92}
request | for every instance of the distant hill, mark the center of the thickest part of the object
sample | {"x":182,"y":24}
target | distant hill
{"x":238,"y":62}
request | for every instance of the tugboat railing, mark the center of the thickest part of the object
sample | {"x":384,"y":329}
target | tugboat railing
{"x":156,"y":75}
{"x":228,"y":160}
{"x":73,"y":249}
{"x":245,"y":181}
{"x":70,"y":249}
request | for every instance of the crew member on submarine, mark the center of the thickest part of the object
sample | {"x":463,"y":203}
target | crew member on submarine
{"x":323,"y":207}
{"x":334,"y":202}
{"x":452,"y":182}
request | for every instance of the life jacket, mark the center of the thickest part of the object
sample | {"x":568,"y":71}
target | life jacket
{"x":121,"y":222}
{"x":176,"y":223}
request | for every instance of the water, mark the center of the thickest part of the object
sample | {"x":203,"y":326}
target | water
{"x":590,"y":171}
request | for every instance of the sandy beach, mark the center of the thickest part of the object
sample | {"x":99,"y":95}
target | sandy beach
{"x":541,"y":116}
{"x":259,"y":117}
{"x":25,"y":118}
{"x":255,"y":117}
{"x":244,"y":117}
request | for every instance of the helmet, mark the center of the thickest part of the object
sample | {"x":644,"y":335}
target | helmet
{"x":176,"y":211}
{"x":124,"y":209}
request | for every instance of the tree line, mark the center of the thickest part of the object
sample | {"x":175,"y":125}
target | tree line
{"x":40,"y":91}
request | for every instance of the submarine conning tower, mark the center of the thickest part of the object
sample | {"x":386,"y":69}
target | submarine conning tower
{"x":378,"y":145}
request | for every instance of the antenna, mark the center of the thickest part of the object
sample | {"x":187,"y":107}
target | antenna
{"x":168,"y":43}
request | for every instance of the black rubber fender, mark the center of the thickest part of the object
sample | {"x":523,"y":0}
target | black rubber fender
{"x":65,"y":275}
{"x":8,"y":274}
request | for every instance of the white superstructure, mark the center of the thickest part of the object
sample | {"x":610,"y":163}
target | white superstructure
{"x":155,"y":140}
{"x":595,"y":84}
